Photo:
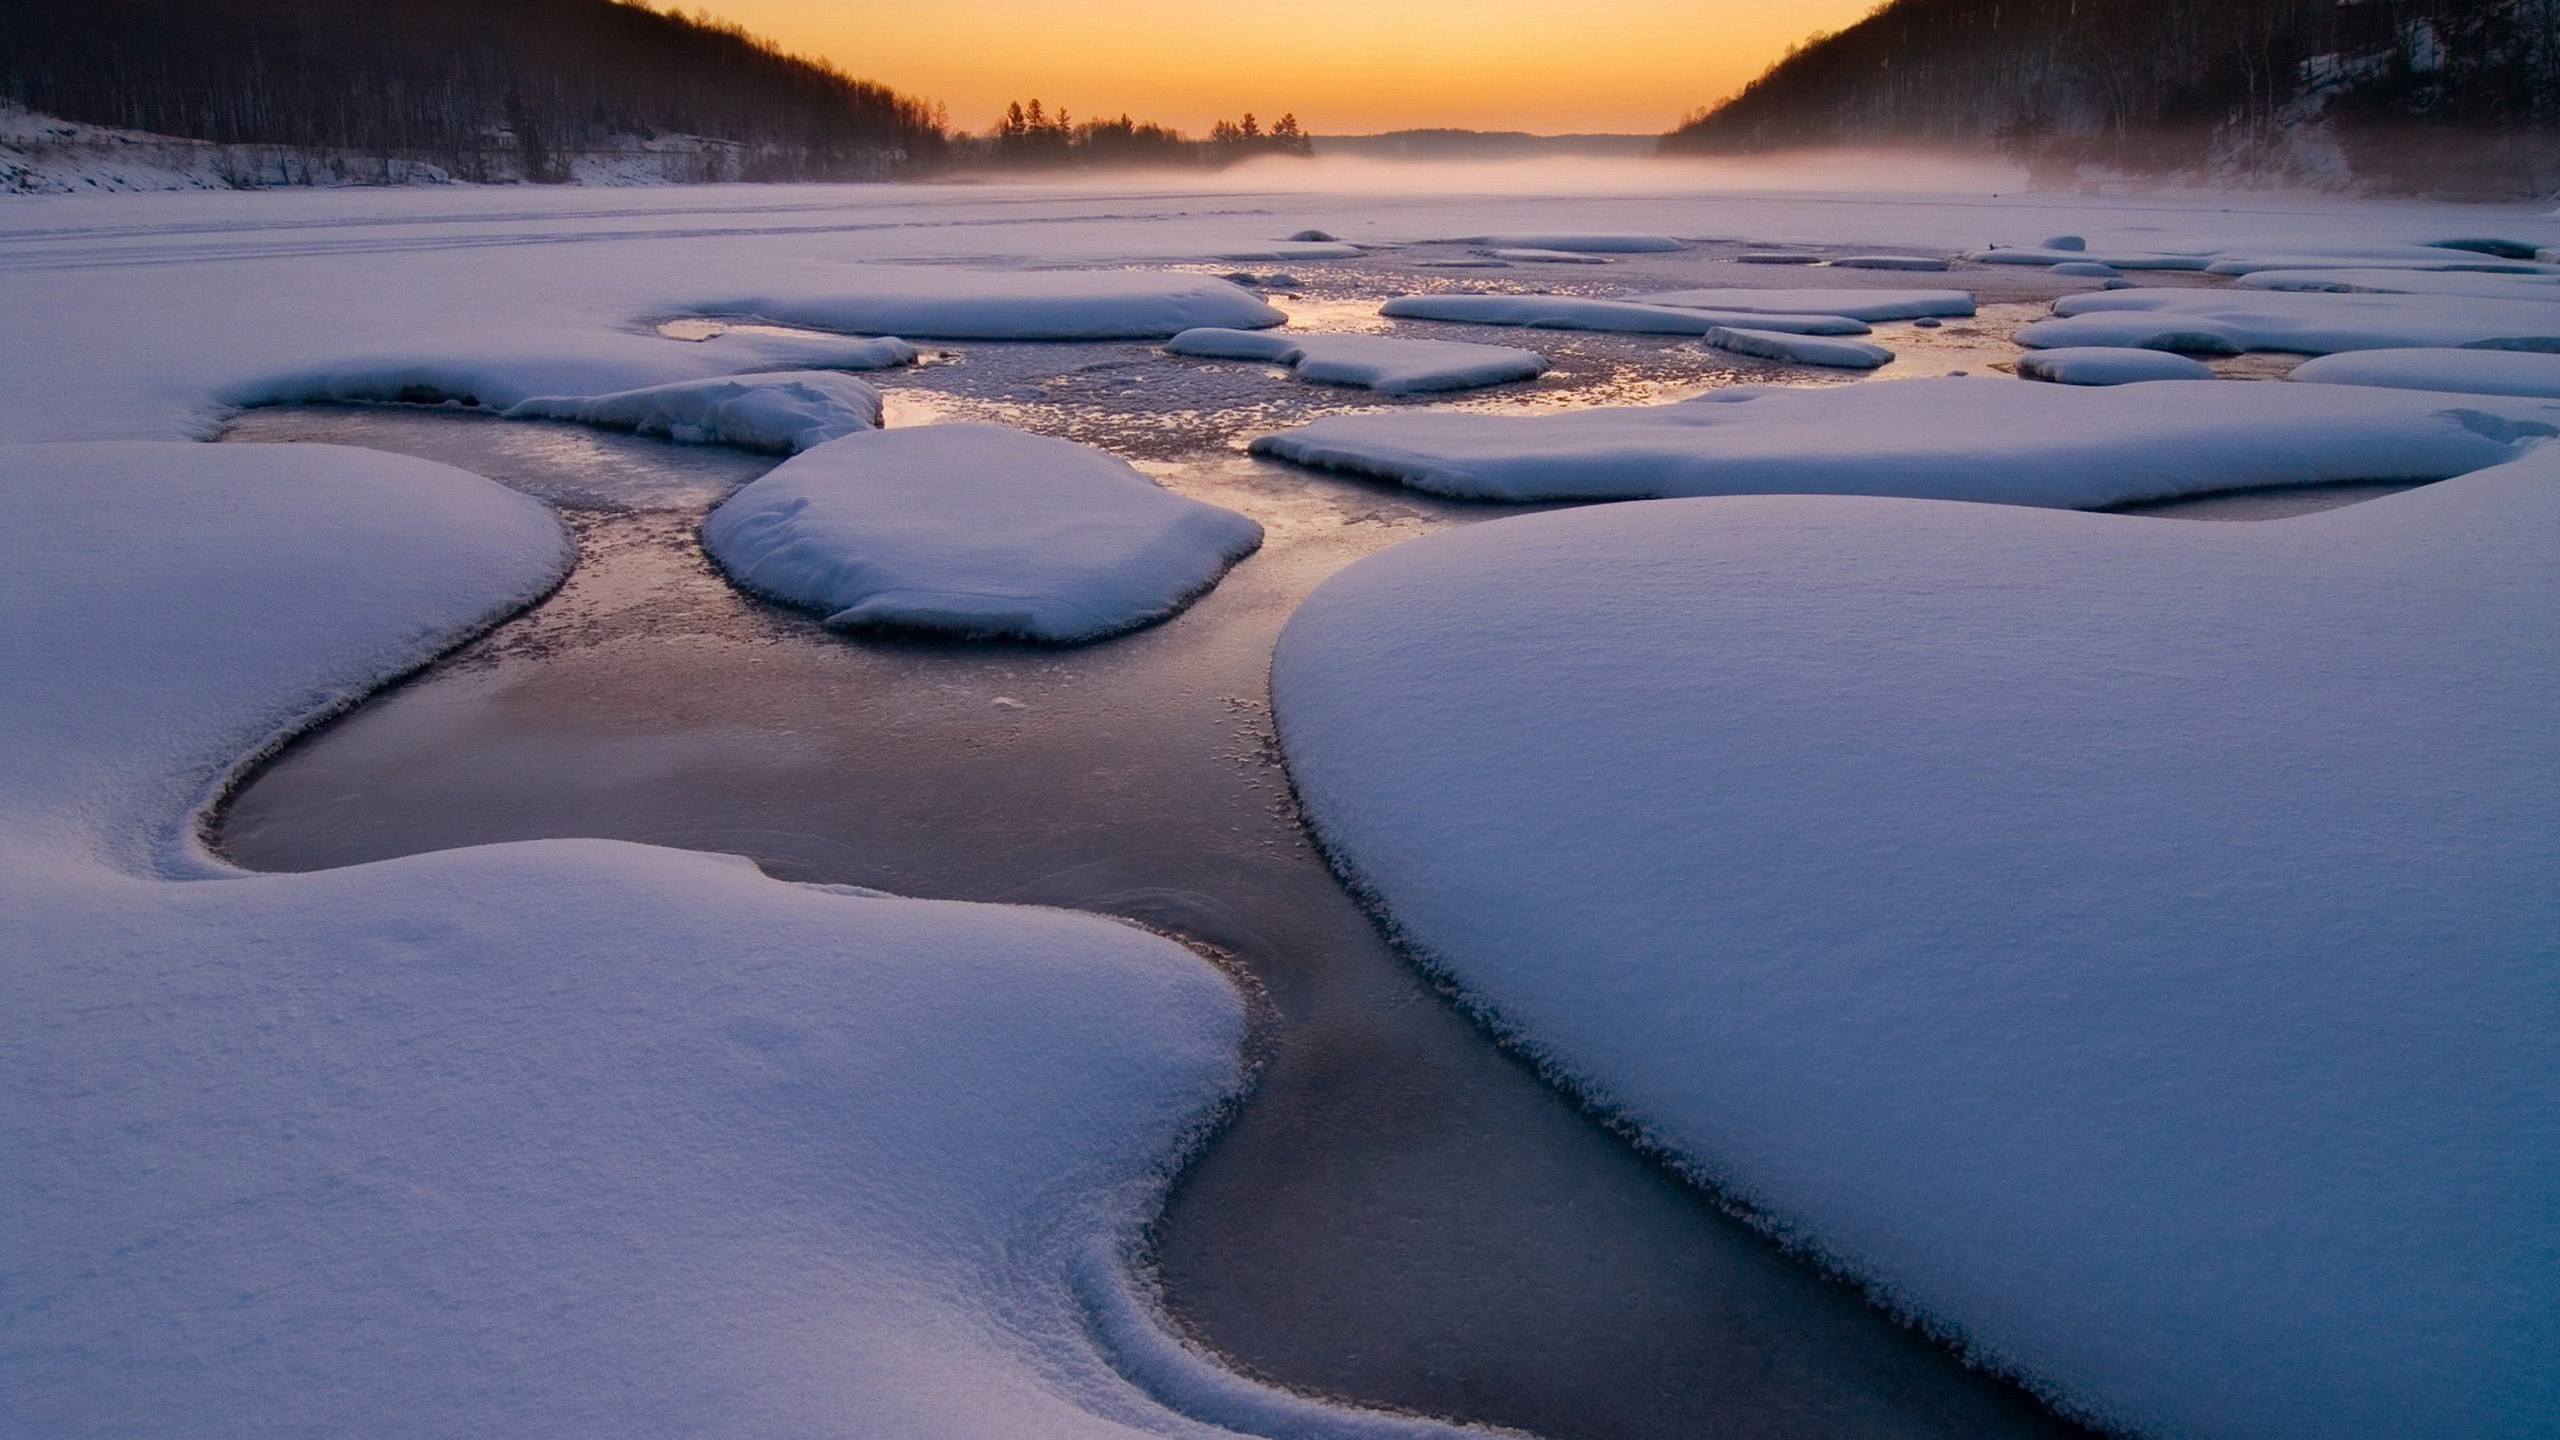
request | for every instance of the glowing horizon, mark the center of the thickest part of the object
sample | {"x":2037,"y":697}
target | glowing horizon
{"x":1342,"y":66}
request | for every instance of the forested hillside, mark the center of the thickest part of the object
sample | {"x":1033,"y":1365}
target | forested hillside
{"x":479,"y":88}
{"x":2457,"y":95}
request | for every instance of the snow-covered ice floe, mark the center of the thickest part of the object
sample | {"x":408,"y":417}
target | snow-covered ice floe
{"x":2100,"y":365}
{"x":1392,"y":364}
{"x":783,"y":412}
{"x":2228,"y":322}
{"x":1946,"y":439}
{"x":2469,"y":372}
{"x":558,"y":1138}
{"x":1604,"y":243}
{"x":1799,"y":349}
{"x":1546,"y":257}
{"x":2048,"y":255}
{"x":1576,"y":312}
{"x":974,"y":530}
{"x":2541,"y":289}
{"x":2086,"y":270}
{"x":1890,"y":262}
{"x":767,"y":347}
{"x":2123,"y":944}
{"x":943,"y":302}
{"x":1294,"y":250}
{"x":1857,"y":304}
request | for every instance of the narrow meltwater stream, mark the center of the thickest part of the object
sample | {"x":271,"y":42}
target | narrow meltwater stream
{"x":1402,"y":1214}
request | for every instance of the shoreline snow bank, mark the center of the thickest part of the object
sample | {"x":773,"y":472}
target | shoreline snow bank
{"x":2122,"y":944}
{"x":587,"y":1137}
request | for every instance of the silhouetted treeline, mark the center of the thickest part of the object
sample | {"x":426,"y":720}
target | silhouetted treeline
{"x":482,"y":87}
{"x":2410,"y":92}
{"x":1031,"y":137}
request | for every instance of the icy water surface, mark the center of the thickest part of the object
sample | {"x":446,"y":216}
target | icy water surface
{"x":1402,"y":1214}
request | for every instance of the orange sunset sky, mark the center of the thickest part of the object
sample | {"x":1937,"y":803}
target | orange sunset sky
{"x":1345,"y":66}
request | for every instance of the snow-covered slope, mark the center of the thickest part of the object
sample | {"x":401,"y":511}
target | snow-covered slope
{"x":570,"y":1138}
{"x":2125,"y":944}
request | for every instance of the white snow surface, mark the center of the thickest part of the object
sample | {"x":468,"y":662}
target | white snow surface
{"x":2543,"y":289}
{"x":1576,"y":312}
{"x":2470,"y":372}
{"x":1855,"y":303}
{"x":2232,"y":321}
{"x":1547,"y":257}
{"x":974,"y":530}
{"x":2086,"y":270}
{"x":1889,"y":262}
{"x":2125,"y":944}
{"x":763,"y":347}
{"x":784,"y":411}
{"x":1945,"y":439}
{"x":1582,"y":242}
{"x":244,"y":284}
{"x":1294,"y":250}
{"x":566,"y":1138}
{"x":1391,"y":364}
{"x":2098,"y":365}
{"x":2048,"y":255}
{"x":954,"y":303}
{"x":1800,"y":349}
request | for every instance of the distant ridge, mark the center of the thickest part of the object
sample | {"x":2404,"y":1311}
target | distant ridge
{"x":475,"y":89}
{"x":1478,"y":145}
{"x":2452,"y":96}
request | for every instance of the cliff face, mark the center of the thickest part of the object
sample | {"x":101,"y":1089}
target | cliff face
{"x":2444,"y":95}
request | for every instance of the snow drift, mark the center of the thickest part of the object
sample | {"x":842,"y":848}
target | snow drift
{"x":2124,"y":944}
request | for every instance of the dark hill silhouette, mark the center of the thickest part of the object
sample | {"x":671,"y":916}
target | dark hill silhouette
{"x":2459,"y":95}
{"x":480,"y":87}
